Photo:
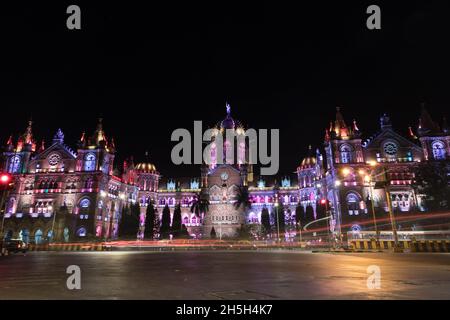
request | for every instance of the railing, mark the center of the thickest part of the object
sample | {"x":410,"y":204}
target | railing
{"x":402,"y":235}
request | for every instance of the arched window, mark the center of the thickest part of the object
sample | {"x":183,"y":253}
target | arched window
{"x":353,"y":204}
{"x":85,"y":204}
{"x":14,"y":165}
{"x":38,"y":236}
{"x":50,"y":236}
{"x":185,"y":220}
{"x":98,"y":231}
{"x":11,"y":205}
{"x":24,"y":235}
{"x":81,"y":232}
{"x":346,"y":154}
{"x":66,"y":234}
{"x":438,"y":150}
{"x":89,"y":162}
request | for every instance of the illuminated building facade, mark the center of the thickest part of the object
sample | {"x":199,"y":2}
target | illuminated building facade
{"x":60,"y":194}
{"x":67,"y":195}
{"x":356,"y":170}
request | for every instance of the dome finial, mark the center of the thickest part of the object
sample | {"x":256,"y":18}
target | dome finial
{"x":228,"y":122}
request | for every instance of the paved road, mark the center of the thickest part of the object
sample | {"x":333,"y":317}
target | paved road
{"x":224,"y":275}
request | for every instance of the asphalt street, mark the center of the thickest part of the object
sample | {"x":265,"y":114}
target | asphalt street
{"x":224,"y":275}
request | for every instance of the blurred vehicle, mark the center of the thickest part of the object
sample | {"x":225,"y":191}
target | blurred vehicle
{"x":13,"y":246}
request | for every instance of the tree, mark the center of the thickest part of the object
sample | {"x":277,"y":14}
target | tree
{"x":321,"y":210}
{"x":165,"y":223}
{"x":243,"y":199}
{"x":149,"y":220}
{"x":213,"y":233}
{"x":265,"y":221}
{"x":309,"y":213}
{"x":156,"y":226}
{"x":124,"y":221}
{"x":135,"y":213}
{"x":176,"y":221}
{"x":433,"y":181}
{"x":244,"y":232}
{"x":199,"y":205}
{"x":184,"y":234}
{"x":281,"y":222}
{"x":129,"y":221}
{"x":299,"y":214}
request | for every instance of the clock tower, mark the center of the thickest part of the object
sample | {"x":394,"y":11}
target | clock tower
{"x":222,"y":181}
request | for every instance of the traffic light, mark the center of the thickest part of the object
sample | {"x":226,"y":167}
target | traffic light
{"x":5,"y":178}
{"x":6,"y":181}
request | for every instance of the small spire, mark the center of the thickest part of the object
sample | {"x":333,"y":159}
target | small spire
{"x":58,"y":137}
{"x":426,"y":123}
{"x":411,"y":133}
{"x":28,"y":136}
{"x":9,"y":141}
{"x":355,"y":126}
{"x":82,"y":137}
{"x":327,"y":135}
{"x":228,"y":107}
{"x":100,"y":124}
{"x":340,"y":126}
{"x":445,"y":127}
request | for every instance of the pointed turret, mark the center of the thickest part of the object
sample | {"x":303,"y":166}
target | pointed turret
{"x":42,"y":148}
{"x":99,"y":138}
{"x":411,"y":133}
{"x":26,"y":141}
{"x":355,"y":126}
{"x":28,"y":135}
{"x":9,"y":144}
{"x":426,"y":124}
{"x":355,"y":129}
{"x":327,"y":135}
{"x":340,"y":127}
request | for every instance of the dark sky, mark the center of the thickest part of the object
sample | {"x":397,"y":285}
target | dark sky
{"x":151,"y":69}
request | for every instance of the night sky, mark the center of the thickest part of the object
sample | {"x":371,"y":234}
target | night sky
{"x":149,"y":70}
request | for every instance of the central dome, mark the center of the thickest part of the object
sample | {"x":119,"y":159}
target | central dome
{"x":145,"y":168}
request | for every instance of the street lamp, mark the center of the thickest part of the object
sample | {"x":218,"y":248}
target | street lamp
{"x":278,"y":221}
{"x":374,"y":164}
{"x":324,"y":202}
{"x":368,"y":180}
